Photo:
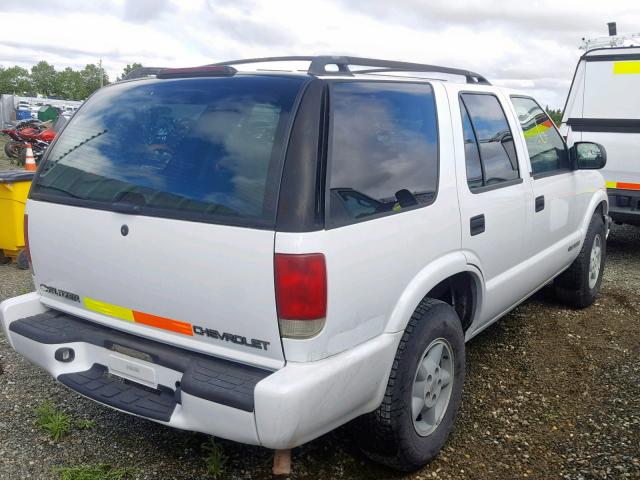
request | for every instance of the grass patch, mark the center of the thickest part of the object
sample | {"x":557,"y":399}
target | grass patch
{"x":86,"y":424}
{"x":53,"y":421}
{"x":94,"y":472}
{"x":216,"y":460}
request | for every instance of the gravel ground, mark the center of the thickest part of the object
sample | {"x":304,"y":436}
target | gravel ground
{"x":551,"y":393}
{"x":5,"y":163}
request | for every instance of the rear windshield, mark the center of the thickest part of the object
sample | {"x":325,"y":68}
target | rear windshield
{"x":204,"y":149}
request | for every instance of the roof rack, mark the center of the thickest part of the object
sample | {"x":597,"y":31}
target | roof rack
{"x":319,"y":63}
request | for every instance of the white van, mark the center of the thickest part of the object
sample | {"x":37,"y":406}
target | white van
{"x":603,"y":106}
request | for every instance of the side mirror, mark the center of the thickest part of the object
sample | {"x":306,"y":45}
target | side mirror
{"x":587,"y":156}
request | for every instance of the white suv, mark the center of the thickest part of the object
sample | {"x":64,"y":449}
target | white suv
{"x":265,"y":256}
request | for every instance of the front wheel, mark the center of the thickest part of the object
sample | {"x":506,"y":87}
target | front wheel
{"x":578,"y":286}
{"x":423,"y":392}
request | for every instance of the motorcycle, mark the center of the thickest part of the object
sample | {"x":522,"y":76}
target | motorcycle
{"x":32,"y":133}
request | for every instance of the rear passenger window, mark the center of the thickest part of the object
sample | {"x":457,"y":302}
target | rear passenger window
{"x":485,"y":123}
{"x":547,"y":151}
{"x":383,"y":149}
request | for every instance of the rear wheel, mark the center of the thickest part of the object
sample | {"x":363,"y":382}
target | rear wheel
{"x":423,"y":392}
{"x":579,"y":285}
{"x":12,"y":149}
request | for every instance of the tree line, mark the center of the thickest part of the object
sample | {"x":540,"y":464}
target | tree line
{"x":45,"y":80}
{"x":554,"y":114}
{"x":71,"y":84}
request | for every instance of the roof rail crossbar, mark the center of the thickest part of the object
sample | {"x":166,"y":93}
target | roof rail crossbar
{"x":319,"y":63}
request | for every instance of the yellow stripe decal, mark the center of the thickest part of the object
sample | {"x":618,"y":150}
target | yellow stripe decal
{"x":624,"y":185}
{"x":626,"y":68}
{"x":138,"y":317}
{"x":108,"y":309}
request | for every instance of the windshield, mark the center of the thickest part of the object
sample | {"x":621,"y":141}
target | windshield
{"x":205,"y":149}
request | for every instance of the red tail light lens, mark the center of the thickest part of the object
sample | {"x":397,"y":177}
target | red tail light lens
{"x":27,"y":252}
{"x":301,"y":293}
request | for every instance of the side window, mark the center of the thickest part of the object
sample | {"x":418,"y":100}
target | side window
{"x":471,"y":152}
{"x":494,"y":141}
{"x":384,"y":150}
{"x":547,"y":151}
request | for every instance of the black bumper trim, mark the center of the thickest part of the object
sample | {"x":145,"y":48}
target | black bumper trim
{"x":604,"y":125}
{"x":214,"y":379}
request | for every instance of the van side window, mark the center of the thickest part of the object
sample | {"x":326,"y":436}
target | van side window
{"x":547,"y":151}
{"x":383,"y":150}
{"x":494,"y":141}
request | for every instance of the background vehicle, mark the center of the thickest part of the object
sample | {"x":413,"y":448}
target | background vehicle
{"x":267,"y":256}
{"x":33,"y":132}
{"x":603,"y":106}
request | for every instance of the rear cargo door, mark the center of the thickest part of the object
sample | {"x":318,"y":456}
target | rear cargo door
{"x":155,"y":211}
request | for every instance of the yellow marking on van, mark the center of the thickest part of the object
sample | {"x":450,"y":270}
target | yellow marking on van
{"x":108,"y":309}
{"x":624,"y":185}
{"x":626,"y":68}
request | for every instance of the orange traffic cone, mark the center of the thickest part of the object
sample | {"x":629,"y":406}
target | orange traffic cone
{"x":29,"y":161}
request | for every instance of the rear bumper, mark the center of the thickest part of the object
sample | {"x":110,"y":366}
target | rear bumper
{"x":190,"y":391}
{"x":624,"y":206}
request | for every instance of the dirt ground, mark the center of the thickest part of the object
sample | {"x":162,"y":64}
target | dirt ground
{"x":551,"y":393}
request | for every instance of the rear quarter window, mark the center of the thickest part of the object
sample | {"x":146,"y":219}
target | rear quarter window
{"x":485,"y":123}
{"x":204,"y":149}
{"x":383,"y":150}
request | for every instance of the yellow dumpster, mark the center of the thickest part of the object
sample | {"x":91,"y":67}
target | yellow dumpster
{"x":14,"y":188}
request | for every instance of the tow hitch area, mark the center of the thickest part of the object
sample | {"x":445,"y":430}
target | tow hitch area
{"x":125,"y":376}
{"x":98,"y":384}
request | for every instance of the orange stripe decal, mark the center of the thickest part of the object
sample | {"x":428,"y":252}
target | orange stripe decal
{"x":163,"y":323}
{"x":628,"y":186}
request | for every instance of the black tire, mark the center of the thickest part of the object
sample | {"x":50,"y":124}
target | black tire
{"x":12,"y":149}
{"x":387,"y":435}
{"x":3,"y":259}
{"x":21,"y":261}
{"x":572,"y":286}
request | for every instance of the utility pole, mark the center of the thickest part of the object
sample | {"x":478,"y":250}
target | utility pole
{"x":101,"y":74}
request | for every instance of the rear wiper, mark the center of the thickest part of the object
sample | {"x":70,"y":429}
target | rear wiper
{"x":57,"y":189}
{"x":128,"y":208}
{"x":129,"y":203}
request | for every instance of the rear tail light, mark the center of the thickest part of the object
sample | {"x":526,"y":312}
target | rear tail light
{"x":301,"y":294}
{"x":27,"y":252}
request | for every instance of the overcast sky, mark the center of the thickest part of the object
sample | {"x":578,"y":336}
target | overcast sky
{"x":524,"y":44}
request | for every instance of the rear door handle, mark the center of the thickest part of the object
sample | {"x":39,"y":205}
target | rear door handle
{"x":477,"y":225}
{"x":540,"y":203}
